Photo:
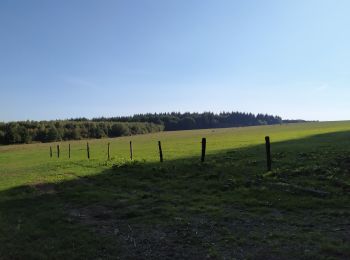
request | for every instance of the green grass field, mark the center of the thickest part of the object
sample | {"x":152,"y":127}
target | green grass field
{"x":228,"y":207}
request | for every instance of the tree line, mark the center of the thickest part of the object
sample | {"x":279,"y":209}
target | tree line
{"x":50,"y":131}
{"x":186,"y":121}
{"x":83,"y":128}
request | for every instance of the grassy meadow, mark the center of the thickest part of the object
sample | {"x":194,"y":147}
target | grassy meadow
{"x":227,"y":207}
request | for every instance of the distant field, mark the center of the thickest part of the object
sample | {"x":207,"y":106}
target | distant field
{"x":227,"y":207}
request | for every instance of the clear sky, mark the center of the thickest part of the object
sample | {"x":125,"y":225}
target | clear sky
{"x":74,"y":58}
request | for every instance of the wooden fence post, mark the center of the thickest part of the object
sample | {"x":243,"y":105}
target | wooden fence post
{"x":69,"y":151}
{"x":50,"y":151}
{"x":268,"y":153}
{"x":108,"y":151}
{"x":160,"y":151}
{"x":88,"y":150}
{"x":130,"y":150}
{"x":204,"y":145}
{"x":58,"y":151}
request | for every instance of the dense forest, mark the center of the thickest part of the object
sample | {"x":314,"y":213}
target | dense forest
{"x":83,"y":128}
{"x":49,"y":131}
{"x":186,"y":121}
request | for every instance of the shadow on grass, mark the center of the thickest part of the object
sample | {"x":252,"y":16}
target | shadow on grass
{"x":227,"y":207}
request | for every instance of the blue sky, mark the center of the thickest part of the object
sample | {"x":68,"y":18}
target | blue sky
{"x":70,"y":58}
